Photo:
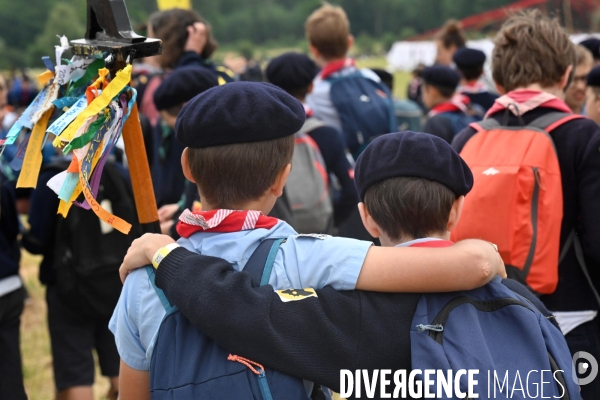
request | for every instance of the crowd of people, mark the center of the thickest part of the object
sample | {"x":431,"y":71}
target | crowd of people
{"x":310,"y":177}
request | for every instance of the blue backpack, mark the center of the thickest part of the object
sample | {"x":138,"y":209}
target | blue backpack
{"x":365,"y":108}
{"x":498,"y":332}
{"x":186,"y":364}
{"x":459,"y":120}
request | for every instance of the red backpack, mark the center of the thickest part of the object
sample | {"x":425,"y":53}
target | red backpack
{"x":517,"y":200}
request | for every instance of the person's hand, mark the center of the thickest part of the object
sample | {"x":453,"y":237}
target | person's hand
{"x":141,"y":251}
{"x":165,"y":227}
{"x":166,"y":212}
{"x":197,"y":38}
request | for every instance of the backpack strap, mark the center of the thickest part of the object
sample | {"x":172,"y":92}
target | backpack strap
{"x":550,"y":121}
{"x":573,"y":240}
{"x":161,"y":295}
{"x":260,"y":263}
{"x":485,"y":125}
{"x":311,"y":124}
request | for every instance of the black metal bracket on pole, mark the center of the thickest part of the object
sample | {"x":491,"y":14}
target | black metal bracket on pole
{"x":109,"y":30}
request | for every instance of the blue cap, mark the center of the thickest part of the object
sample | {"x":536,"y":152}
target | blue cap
{"x":412,"y":154}
{"x":182,"y":85}
{"x":292,"y":71}
{"x":465,"y":58}
{"x":593,"y":78}
{"x":593,"y":45}
{"x":239,"y":112}
{"x":441,"y":76}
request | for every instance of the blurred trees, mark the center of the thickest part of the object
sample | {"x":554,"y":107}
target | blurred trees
{"x":28,"y":28}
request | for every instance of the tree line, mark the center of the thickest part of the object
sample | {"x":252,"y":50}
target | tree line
{"x":28,"y":28}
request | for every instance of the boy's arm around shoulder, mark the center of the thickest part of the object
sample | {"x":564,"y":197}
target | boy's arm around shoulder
{"x":312,"y":338}
{"x":466,"y":265}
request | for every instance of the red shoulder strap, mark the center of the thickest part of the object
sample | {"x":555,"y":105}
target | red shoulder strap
{"x":563,"y":121}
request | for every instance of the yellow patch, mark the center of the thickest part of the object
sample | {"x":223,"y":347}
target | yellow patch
{"x":295,"y":294}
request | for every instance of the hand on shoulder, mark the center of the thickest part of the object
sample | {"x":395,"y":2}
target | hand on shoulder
{"x":141,"y":251}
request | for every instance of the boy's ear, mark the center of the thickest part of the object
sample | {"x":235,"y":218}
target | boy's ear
{"x":185,"y":165}
{"x":455,"y":213}
{"x":310,"y":88}
{"x":500,"y":89}
{"x":566,"y":78}
{"x":350,"y":42}
{"x":314,"y":51}
{"x":367,"y":221}
{"x":277,"y":187}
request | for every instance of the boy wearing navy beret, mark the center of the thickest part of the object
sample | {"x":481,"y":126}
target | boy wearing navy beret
{"x":449,"y":113}
{"x":412,"y":186}
{"x":240,"y":141}
{"x":592,"y":104}
{"x":469,"y":63}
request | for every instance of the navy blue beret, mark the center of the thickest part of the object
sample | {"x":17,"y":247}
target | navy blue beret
{"x":593,"y":45}
{"x":593,"y":78}
{"x":468,"y":58}
{"x":239,"y":112}
{"x":441,"y":76}
{"x":291,"y":71}
{"x":182,"y":85}
{"x":412,"y":154}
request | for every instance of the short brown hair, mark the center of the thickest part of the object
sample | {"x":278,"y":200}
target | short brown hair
{"x":328,"y":28}
{"x":170,"y":26}
{"x":451,"y":34}
{"x":583,"y":56}
{"x":228,"y":176}
{"x":408,"y":208}
{"x":531,"y":48}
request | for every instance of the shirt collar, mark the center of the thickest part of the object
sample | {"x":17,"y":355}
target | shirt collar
{"x":411,"y":242}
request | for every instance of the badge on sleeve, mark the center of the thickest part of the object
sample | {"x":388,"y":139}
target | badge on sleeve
{"x":295,"y":294}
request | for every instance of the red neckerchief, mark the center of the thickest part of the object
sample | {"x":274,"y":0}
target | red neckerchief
{"x":526,"y":100}
{"x":473,"y":87}
{"x":458,"y":103}
{"x":336,"y":66}
{"x":309,"y":112}
{"x":433,"y":243}
{"x":222,"y":221}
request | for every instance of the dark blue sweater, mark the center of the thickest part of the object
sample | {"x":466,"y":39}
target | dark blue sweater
{"x":10,"y":254}
{"x":313,"y":338}
{"x":578,"y":147}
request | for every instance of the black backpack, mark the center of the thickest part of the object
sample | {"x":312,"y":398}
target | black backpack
{"x":88,"y":255}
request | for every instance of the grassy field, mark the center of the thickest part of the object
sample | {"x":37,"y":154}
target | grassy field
{"x":35,"y":342}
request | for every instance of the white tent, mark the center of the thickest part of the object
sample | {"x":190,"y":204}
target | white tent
{"x":405,"y":56}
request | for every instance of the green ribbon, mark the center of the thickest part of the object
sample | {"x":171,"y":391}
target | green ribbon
{"x":90,"y":73}
{"x":87,"y":137}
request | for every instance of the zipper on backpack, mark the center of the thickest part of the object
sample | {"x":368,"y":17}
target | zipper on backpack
{"x":435,"y":330}
{"x":537,"y":181}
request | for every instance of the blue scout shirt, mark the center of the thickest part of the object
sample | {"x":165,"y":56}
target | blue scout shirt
{"x":303,"y":261}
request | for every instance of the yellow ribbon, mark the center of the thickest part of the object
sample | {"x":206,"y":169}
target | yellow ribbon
{"x":32,"y":162}
{"x":112,"y":90}
{"x":44,"y":77}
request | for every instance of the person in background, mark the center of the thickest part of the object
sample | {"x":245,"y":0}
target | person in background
{"x":469,"y":63}
{"x":592,"y":103}
{"x":575,"y":92}
{"x":187,"y":41}
{"x":532,"y":76}
{"x":170,"y":186}
{"x":408,"y":113}
{"x":593,"y":45}
{"x":448,"y":113}
{"x":294,"y":73}
{"x":252,"y":71}
{"x":414,"y":89}
{"x":449,"y":39}
{"x":12,"y":291}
